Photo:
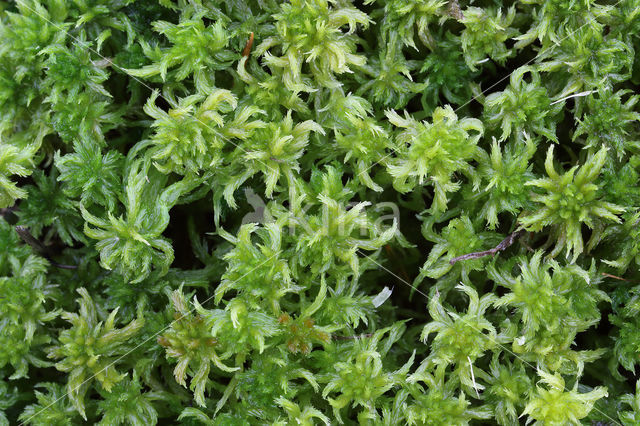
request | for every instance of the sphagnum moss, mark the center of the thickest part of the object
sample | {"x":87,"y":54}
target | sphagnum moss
{"x":243,"y":193}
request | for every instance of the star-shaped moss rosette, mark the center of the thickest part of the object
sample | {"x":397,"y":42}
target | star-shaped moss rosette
{"x":319,"y":212}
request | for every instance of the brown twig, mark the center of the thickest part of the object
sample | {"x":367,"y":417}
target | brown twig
{"x":504,"y":244}
{"x":247,"y":47}
{"x":616,"y":277}
{"x":30,"y":240}
{"x":26,"y":236}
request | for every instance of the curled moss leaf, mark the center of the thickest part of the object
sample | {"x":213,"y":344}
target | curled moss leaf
{"x":433,"y":151}
{"x":568,"y":201}
{"x":459,"y":339}
{"x":485,"y":32}
{"x":195,"y":50}
{"x":310,"y":31}
{"x":523,"y":107}
{"x":361,"y":379}
{"x":190,"y":342}
{"x":554,"y":405}
{"x":90,"y":349}
{"x":133,"y":243}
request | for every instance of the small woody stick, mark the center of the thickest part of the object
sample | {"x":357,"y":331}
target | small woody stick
{"x":247,"y":47}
